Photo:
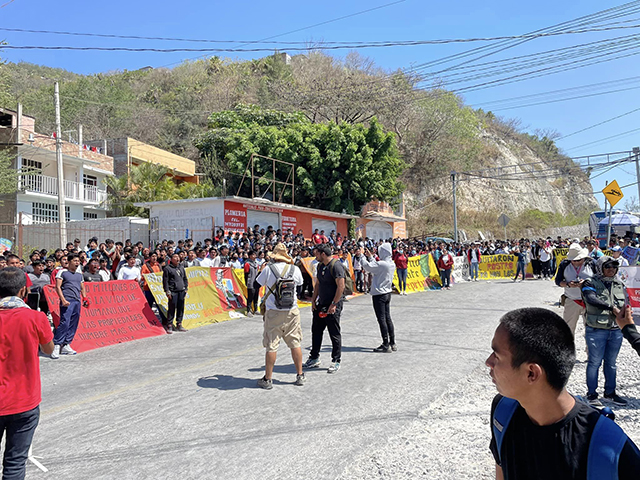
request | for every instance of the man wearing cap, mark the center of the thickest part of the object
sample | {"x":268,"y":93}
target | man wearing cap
{"x":281,"y":318}
{"x":605,"y":296}
{"x":572,"y":272}
{"x":616,"y":252}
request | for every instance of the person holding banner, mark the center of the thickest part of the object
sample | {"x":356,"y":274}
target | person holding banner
{"x":572,"y":272}
{"x":22,"y":330}
{"x":175,"y":284}
{"x":253,"y":287}
{"x":70,"y":288}
{"x":381,"y":288}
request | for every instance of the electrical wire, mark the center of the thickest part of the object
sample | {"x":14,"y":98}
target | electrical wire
{"x":598,"y":124}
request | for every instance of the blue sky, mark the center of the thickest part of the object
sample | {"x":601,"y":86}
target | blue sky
{"x":409,"y":20}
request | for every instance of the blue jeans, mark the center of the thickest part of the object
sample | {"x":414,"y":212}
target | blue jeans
{"x":520,"y":268}
{"x":602,"y":345}
{"x":20,"y":429}
{"x":402,"y":278}
{"x":474,"y":270}
{"x":69,"y":319}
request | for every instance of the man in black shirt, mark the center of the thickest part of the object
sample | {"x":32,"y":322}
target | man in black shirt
{"x":327,"y":307}
{"x":91,"y":273}
{"x":549,"y":435}
{"x":175,"y":284}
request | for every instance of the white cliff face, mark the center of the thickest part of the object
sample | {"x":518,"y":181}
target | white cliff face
{"x":555,"y":187}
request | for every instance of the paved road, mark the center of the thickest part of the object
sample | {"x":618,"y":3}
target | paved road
{"x":186,"y":406}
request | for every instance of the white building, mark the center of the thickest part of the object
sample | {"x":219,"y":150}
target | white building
{"x":85,"y":169}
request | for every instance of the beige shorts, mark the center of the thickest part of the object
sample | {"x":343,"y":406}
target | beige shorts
{"x":280,"y":324}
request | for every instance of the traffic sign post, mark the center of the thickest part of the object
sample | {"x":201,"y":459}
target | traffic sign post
{"x":503,"y":221}
{"x":613,"y":195}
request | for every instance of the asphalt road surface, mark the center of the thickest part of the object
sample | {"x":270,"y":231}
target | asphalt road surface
{"x":186,"y":405}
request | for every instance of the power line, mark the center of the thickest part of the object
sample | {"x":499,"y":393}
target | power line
{"x":604,"y":139}
{"x":337,"y":44}
{"x":600,"y":123}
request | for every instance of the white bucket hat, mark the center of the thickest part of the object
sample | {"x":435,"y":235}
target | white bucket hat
{"x":576,"y":252}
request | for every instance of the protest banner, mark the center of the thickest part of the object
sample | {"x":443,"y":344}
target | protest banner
{"x":631,"y":255}
{"x":495,"y":267}
{"x":214,"y":295}
{"x":5,"y":245}
{"x":422,"y":274}
{"x":460,"y":271}
{"x":117,"y":313}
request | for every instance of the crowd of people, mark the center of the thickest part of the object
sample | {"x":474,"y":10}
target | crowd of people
{"x":530,"y":374}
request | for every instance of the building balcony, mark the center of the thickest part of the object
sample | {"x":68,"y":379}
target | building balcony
{"x":41,"y":184}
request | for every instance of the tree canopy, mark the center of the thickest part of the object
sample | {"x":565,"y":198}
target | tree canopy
{"x":337,"y":166}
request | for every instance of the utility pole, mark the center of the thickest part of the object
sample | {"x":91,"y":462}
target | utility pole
{"x":455,"y":208}
{"x":636,"y":152}
{"x":606,"y":204}
{"x":61,"y":210}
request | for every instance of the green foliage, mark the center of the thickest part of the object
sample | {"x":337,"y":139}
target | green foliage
{"x":149,"y":183}
{"x":8,"y":175}
{"x":337,"y":166}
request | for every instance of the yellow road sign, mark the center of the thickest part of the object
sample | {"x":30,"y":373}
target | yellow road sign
{"x":613,"y":193}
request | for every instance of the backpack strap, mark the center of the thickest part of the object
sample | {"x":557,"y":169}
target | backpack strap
{"x":501,"y":417}
{"x":275,"y":272}
{"x":332,"y":267}
{"x":607,"y":442}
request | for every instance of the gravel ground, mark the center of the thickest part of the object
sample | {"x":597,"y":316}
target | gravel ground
{"x":450,"y":439}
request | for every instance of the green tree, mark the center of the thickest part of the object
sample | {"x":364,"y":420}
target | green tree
{"x":149,"y":183}
{"x":337,"y":166}
{"x":8,"y":175}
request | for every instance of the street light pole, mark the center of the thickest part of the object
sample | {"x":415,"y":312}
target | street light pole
{"x":61,"y":205}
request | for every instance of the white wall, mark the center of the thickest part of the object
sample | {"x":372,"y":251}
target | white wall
{"x":198,"y":216}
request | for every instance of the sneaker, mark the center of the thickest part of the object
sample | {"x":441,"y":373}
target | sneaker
{"x":300,"y":379}
{"x":383,"y":349}
{"x":168,"y":328}
{"x":56,"y":352}
{"x":179,"y":328}
{"x":593,"y":400}
{"x":334,"y":367}
{"x":312,"y":363}
{"x":67,"y":350}
{"x":249,"y":314}
{"x":394,"y":348}
{"x":264,"y":383}
{"x":615,"y":398}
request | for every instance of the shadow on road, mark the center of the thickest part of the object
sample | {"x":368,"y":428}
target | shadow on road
{"x":226,"y":382}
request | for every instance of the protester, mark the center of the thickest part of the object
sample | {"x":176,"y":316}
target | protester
{"x":70,"y":290}
{"x":152,"y":266}
{"x":474,"y":257}
{"x":253,"y":287}
{"x":22,"y":330}
{"x":521,"y":266}
{"x":538,"y":429}
{"x":604,"y":295}
{"x":92,"y":273}
{"x":381,"y":288}
{"x":445,"y":264}
{"x":401,"y":263}
{"x":39,"y":280}
{"x":175,"y":284}
{"x":130,"y":271}
{"x":572,"y":272}
{"x":282,"y":316}
{"x":327,"y":304}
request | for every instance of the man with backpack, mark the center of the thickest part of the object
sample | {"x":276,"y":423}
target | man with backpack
{"x":327,"y":306}
{"x":539,"y":430}
{"x":571,"y":275}
{"x":281,"y":277}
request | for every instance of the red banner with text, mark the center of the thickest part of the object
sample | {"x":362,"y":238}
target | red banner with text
{"x":118,"y":312}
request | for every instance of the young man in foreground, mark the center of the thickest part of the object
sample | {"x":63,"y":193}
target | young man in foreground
{"x":549,"y":433}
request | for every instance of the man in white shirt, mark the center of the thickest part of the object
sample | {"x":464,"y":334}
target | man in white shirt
{"x":130,"y":271}
{"x":222,"y":260}
{"x":282,"y":316}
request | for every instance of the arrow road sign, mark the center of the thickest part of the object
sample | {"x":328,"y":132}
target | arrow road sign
{"x":613,"y":193}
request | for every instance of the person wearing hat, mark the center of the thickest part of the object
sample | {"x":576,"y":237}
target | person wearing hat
{"x":616,"y":252}
{"x":572,"y":272}
{"x":605,"y":296}
{"x":282,"y":316}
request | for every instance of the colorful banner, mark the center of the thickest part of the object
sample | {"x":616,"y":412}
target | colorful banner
{"x":118,"y":312}
{"x":214,"y":295}
{"x":493,"y":267}
{"x":5,"y":245}
{"x":422,"y":274}
{"x":631,"y":255}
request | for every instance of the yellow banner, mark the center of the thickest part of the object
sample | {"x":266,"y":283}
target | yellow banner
{"x":422,"y":274}
{"x":214,"y":295}
{"x":497,"y":266}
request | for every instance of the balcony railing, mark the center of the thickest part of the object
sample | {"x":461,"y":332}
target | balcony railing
{"x":72,"y":190}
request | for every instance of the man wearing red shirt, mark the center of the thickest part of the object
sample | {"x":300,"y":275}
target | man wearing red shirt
{"x":317,"y":240}
{"x":21,"y":331}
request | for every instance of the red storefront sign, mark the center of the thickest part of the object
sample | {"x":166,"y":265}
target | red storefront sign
{"x":118,"y":312}
{"x":235,"y":217}
{"x":289,"y":221}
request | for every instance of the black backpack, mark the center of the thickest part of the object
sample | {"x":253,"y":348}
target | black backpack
{"x":284,"y":290}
